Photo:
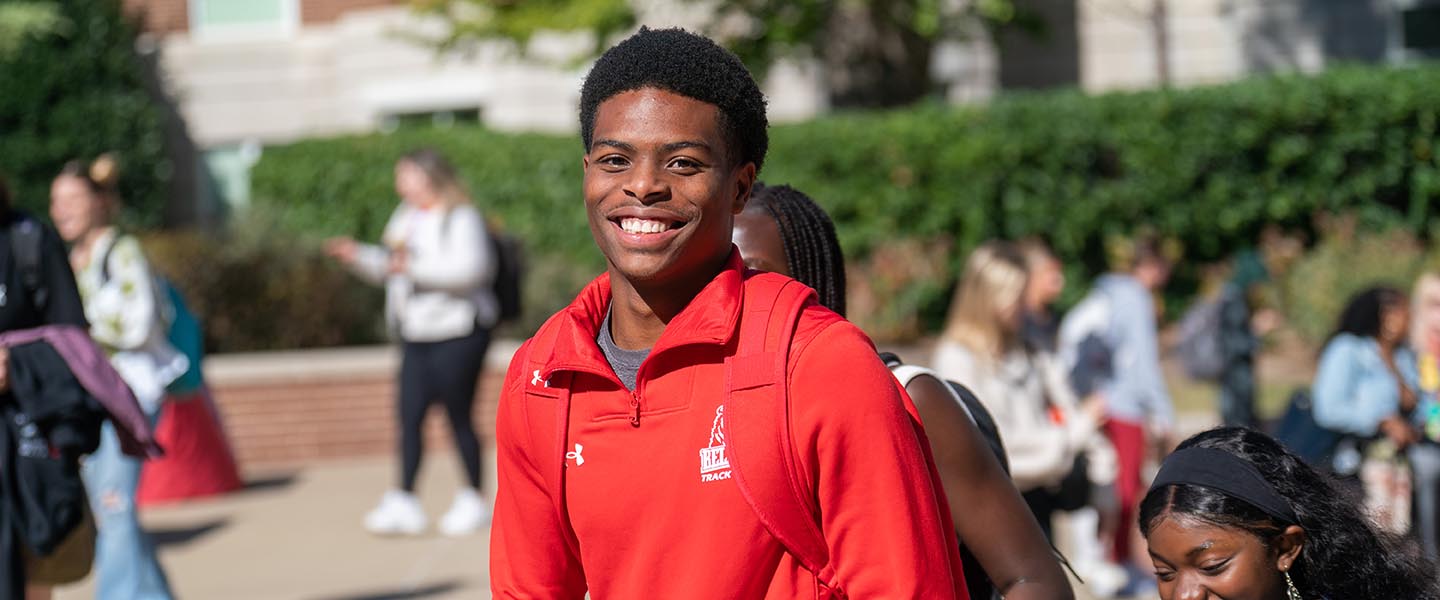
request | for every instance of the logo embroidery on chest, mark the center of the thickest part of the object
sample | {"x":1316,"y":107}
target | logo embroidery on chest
{"x":714,"y":466}
{"x":575,"y":456}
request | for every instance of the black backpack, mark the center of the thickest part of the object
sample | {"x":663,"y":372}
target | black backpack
{"x":509,"y":273}
{"x":509,"y":254}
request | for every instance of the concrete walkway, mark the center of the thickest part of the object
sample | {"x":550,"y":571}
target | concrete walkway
{"x":296,"y":535}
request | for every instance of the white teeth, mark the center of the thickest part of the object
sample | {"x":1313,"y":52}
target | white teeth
{"x":635,"y":225}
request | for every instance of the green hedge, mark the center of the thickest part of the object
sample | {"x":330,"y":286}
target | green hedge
{"x":1210,"y":166}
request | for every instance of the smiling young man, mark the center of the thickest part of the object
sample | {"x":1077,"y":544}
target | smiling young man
{"x":613,"y":473}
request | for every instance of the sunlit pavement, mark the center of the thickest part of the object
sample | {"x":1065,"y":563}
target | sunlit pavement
{"x":297,"y":535}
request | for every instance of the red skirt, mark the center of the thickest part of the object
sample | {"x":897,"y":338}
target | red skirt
{"x":198,"y":461}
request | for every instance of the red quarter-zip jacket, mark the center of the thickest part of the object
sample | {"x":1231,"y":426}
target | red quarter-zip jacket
{"x":646,"y":511}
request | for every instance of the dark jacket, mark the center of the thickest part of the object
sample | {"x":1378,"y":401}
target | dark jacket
{"x":39,"y":292}
{"x":49,"y":421}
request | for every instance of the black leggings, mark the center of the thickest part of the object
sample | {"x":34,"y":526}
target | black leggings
{"x":446,"y":371}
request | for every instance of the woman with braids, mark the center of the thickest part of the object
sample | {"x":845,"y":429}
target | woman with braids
{"x":782,"y":230}
{"x":1233,"y":514}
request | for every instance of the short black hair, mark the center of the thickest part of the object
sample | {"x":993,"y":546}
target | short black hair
{"x":690,"y":65}
{"x":812,"y":250}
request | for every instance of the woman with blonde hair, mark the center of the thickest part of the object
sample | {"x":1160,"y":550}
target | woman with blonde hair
{"x":1044,"y":426}
{"x":437,"y":266}
{"x":124,"y":305}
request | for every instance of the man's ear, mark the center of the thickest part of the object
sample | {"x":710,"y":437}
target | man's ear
{"x":585,"y":161}
{"x":1288,"y":546}
{"x":744,"y":184}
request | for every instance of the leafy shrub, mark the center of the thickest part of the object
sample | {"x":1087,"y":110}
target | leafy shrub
{"x":256,"y":288}
{"x":1210,"y":166}
{"x":1346,"y":260}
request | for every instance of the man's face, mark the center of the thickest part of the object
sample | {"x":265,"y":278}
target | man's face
{"x":661,"y":190}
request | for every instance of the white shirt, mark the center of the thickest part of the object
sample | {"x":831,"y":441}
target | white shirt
{"x":1019,"y":392}
{"x":130,"y":317}
{"x":447,"y":289}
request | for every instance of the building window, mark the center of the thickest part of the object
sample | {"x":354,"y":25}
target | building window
{"x":1420,"y":30}
{"x":439,"y":119}
{"x":241,"y":19}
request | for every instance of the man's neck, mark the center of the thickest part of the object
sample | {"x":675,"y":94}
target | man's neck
{"x":639,"y":312}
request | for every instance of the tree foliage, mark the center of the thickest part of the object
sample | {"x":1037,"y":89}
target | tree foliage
{"x":74,"y":88}
{"x":874,"y":53}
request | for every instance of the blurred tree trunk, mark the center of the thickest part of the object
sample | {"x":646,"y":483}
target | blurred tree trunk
{"x":874,"y":58}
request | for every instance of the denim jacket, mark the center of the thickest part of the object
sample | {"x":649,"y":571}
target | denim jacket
{"x":1354,"y":391}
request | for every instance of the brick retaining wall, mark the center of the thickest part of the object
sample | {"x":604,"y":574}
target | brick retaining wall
{"x":290,"y":408}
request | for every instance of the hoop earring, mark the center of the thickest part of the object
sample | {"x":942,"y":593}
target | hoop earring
{"x":1290,"y":590}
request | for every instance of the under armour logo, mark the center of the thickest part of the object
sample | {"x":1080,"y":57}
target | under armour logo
{"x":575,"y":456}
{"x":538,"y":380}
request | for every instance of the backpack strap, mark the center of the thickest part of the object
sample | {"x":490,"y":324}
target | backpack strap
{"x":25,"y":244}
{"x":979,"y":415}
{"x":757,"y":424}
{"x":907,"y":373}
{"x":550,"y":454}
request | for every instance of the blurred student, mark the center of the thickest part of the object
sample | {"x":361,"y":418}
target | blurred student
{"x":1045,"y":428}
{"x":24,"y":309}
{"x":1366,"y":388}
{"x":1425,"y":455}
{"x":123,"y":305}
{"x":1041,"y":326}
{"x":437,"y":265}
{"x":784,"y":231}
{"x":1240,"y":328}
{"x":1090,"y":517}
{"x":1109,"y":342}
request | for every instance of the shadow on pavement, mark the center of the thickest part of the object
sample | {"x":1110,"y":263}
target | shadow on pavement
{"x":427,"y":591}
{"x":179,"y":536}
{"x":270,"y":482}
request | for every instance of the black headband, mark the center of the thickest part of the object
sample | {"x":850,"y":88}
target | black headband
{"x":1226,"y":473}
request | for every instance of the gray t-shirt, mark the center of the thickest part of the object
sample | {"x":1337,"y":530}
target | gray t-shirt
{"x":625,"y":363}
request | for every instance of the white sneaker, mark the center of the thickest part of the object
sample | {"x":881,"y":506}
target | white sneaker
{"x":1103,"y":578}
{"x":468,"y":513}
{"x":399,"y":513}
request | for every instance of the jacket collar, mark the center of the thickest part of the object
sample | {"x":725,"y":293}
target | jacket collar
{"x":709,"y":319}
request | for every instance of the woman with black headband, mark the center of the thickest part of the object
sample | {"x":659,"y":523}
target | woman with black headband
{"x":1233,"y":514}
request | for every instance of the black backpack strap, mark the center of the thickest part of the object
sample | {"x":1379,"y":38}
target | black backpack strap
{"x":26,"y":239}
{"x":105,"y":258}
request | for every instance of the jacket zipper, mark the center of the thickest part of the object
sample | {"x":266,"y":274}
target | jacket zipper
{"x":634,"y":394}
